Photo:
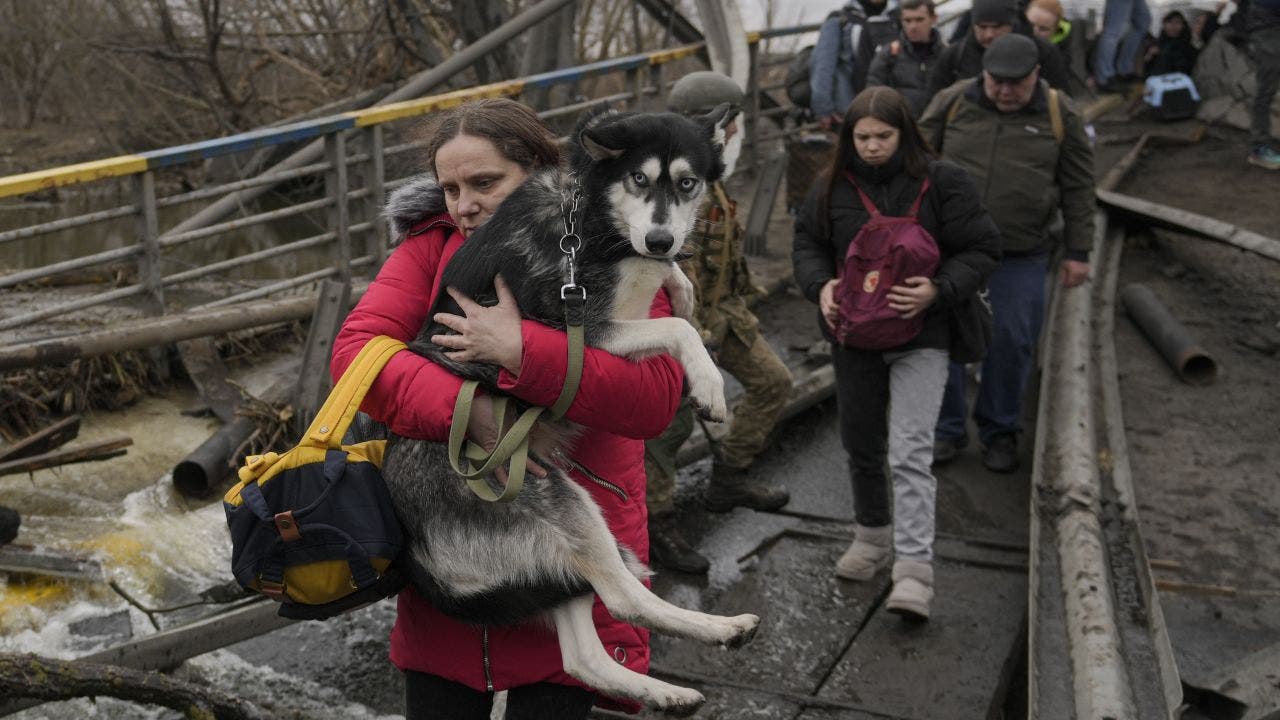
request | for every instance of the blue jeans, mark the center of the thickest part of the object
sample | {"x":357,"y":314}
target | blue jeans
{"x":1124,"y":24}
{"x":1016,"y":291}
{"x":1264,"y":47}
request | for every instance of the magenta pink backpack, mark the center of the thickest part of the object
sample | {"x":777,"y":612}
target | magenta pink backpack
{"x":886,"y":251}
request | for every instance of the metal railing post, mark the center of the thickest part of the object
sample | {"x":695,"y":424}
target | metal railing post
{"x":635,"y":81}
{"x":144,"y":186}
{"x":753,"y":104}
{"x":335,"y":185}
{"x":375,"y":179}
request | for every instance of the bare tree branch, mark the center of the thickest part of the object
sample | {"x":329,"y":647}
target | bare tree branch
{"x":31,"y":676}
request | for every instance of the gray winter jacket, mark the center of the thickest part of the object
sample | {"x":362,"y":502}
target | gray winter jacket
{"x":838,"y":66}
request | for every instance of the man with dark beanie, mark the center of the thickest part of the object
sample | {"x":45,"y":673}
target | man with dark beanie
{"x":1025,"y":146}
{"x":1263,"y":24}
{"x":992,"y":19}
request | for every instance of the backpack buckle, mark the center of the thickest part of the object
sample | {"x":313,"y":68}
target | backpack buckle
{"x":273,"y":590}
{"x":287,"y":526}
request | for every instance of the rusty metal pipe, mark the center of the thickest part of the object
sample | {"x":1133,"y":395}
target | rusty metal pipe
{"x":210,"y":465}
{"x":1169,"y":336}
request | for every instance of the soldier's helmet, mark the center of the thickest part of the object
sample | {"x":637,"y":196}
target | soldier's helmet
{"x":701,"y":92}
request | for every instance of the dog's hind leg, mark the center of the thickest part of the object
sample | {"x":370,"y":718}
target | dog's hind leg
{"x":596,"y":557}
{"x":585,"y":659}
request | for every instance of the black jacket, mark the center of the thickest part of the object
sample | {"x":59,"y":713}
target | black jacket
{"x":963,"y":60}
{"x":897,"y":65}
{"x":952,"y":212}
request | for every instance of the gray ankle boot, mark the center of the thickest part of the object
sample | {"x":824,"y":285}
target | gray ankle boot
{"x":730,"y":488}
{"x":871,"y":549}
{"x":912,"y":589}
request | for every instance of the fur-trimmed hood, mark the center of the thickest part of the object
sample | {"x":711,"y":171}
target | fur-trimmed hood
{"x":412,"y":203}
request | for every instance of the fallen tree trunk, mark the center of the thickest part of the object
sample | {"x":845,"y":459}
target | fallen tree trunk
{"x":31,"y":676}
{"x":103,"y":450}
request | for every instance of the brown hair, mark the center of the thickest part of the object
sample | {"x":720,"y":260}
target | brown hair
{"x":1052,"y":6}
{"x":888,"y":106}
{"x":512,"y":127}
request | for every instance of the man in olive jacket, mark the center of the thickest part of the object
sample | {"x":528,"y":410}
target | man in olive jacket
{"x":1025,"y":146}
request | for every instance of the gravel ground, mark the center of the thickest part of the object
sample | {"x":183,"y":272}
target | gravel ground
{"x":1206,"y":459}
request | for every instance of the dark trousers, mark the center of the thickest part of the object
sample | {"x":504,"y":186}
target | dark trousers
{"x":1016,"y":291}
{"x":862,"y":396}
{"x":430,"y":697}
{"x":1264,"y":47}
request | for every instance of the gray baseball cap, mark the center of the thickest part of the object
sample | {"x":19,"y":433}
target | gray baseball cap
{"x":1011,"y":57}
{"x":702,"y":91}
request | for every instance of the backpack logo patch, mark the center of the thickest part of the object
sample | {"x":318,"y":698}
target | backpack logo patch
{"x":871,"y":282}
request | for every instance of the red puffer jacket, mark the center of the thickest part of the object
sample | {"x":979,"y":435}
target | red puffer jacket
{"x":620,"y":402}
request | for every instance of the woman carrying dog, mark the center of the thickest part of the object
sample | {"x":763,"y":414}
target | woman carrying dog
{"x":890,"y":396}
{"x":478,"y":154}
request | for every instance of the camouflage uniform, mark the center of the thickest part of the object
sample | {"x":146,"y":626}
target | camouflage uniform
{"x":723,"y":285}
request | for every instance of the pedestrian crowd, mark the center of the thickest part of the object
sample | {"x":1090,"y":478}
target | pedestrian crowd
{"x":959,"y":185}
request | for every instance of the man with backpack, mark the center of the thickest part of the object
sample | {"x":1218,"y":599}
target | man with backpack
{"x":1024,"y":144}
{"x":905,"y":63}
{"x":992,"y":19}
{"x":842,"y":56}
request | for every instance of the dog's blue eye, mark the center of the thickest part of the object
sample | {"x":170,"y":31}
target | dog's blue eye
{"x":688,"y":184}
{"x":640,"y":179}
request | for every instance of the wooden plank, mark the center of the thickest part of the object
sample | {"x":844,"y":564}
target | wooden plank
{"x":1187,"y":222}
{"x":762,"y":202}
{"x":30,"y":560}
{"x":102,"y":450}
{"x":313,"y":376}
{"x":957,"y":665}
{"x":50,"y":438}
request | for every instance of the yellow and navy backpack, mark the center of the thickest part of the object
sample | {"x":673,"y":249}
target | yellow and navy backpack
{"x":314,"y":528}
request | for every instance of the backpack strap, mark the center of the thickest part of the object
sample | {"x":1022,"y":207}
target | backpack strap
{"x":871,"y":208}
{"x":952,"y":112}
{"x":915,"y":206}
{"x":1055,"y":116}
{"x":339,"y":409}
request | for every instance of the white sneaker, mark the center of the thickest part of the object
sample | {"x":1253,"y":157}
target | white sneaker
{"x":869,"y":552}
{"x":912,"y":589}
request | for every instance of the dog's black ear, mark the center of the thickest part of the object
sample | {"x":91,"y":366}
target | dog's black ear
{"x":601,"y":144}
{"x":718,"y":119}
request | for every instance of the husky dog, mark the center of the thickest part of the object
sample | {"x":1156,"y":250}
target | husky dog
{"x":639,"y":178}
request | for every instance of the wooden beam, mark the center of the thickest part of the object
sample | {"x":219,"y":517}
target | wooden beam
{"x":50,"y":438}
{"x":30,"y":560}
{"x":1187,"y":222}
{"x":102,"y":450}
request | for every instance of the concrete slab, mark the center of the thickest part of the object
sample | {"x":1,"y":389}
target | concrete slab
{"x":953,"y":667}
{"x":808,"y":619}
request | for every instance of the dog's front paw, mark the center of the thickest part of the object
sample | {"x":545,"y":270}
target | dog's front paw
{"x":744,"y":629}
{"x":676,"y":701}
{"x":706,"y":392}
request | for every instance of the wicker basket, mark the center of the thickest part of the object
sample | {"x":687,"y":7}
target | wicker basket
{"x":808,"y":156}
